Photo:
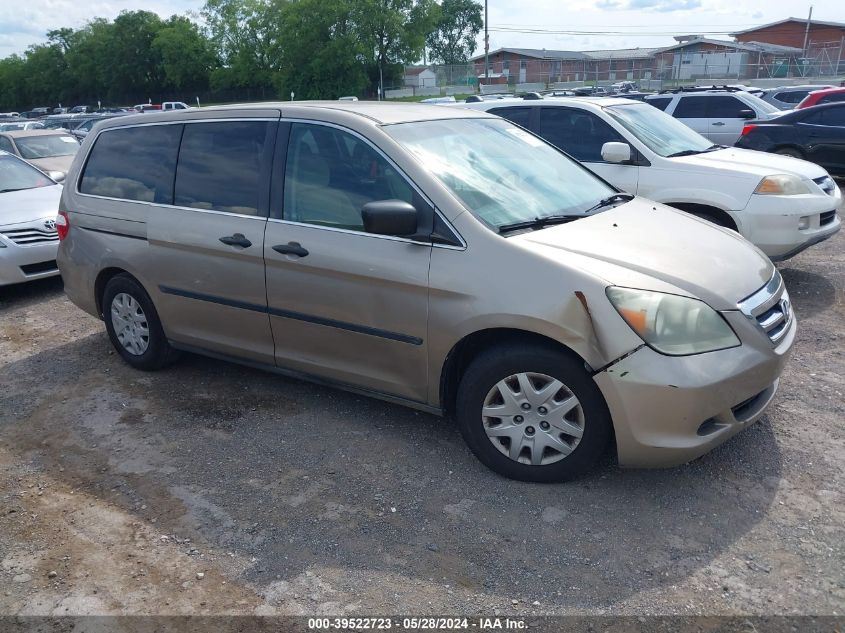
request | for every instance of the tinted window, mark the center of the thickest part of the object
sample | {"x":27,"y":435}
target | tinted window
{"x":221,"y":166}
{"x":133,"y":164}
{"x":520,"y":116}
{"x":660,"y":103}
{"x":725,"y":107}
{"x":836,"y":97}
{"x":576,"y":132}
{"x":691,"y":108}
{"x":833,"y":116}
{"x":6,"y":145}
{"x":792,"y":97}
{"x":331,"y":174}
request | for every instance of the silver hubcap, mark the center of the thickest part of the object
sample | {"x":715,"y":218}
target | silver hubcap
{"x":130,"y":324}
{"x":533,"y":418}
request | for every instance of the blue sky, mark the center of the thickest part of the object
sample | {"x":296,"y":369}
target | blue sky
{"x":600,"y":23}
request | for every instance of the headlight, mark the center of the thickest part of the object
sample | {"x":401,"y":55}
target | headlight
{"x":671,"y":324}
{"x":782,"y":185}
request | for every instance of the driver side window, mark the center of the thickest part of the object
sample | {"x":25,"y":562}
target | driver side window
{"x":331,"y":174}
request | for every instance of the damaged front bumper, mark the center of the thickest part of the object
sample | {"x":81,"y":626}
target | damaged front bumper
{"x":668,"y":410}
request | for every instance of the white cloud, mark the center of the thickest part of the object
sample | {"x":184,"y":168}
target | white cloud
{"x":25,"y":23}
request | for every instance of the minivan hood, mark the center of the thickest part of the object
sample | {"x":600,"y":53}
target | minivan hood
{"x":753,"y":162}
{"x":29,"y":204}
{"x":655,"y":242}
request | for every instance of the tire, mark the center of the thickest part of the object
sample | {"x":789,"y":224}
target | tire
{"x":790,"y":151}
{"x":712,"y":218}
{"x":133,"y":325}
{"x":538,"y":459}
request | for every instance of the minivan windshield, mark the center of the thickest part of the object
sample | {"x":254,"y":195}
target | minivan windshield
{"x":16,"y":175}
{"x":502,"y":174}
{"x":661,"y":133}
{"x":47,"y":146}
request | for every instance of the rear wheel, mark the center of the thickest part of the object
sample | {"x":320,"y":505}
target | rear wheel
{"x":532,"y":413}
{"x":790,"y":151}
{"x":133,"y":325}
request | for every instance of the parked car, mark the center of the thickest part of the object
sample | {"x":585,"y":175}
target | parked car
{"x":81,"y":109}
{"x":28,"y":238}
{"x":12,"y":126}
{"x":788,"y":97}
{"x":49,"y":150}
{"x":174,"y":105}
{"x":437,"y":257}
{"x":820,"y":97}
{"x":624,"y":86}
{"x":816,"y":134}
{"x":81,"y":131}
{"x":780,"y":204}
{"x":594,"y":91}
{"x":716,"y":114}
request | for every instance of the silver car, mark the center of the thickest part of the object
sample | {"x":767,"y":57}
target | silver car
{"x":29,"y":201}
{"x":439,"y":258}
{"x":787,"y":97}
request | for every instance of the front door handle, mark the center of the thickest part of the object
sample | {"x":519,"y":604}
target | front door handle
{"x":718,"y":124}
{"x":291,"y":248}
{"x":237,"y":239}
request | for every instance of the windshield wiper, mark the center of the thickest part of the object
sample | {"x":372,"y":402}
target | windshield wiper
{"x":537,"y":223}
{"x":606,"y":202}
{"x":8,"y":190}
{"x":686,"y":152}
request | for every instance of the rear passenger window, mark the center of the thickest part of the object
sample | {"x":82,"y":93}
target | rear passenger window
{"x":833,"y":98}
{"x":834,"y":117}
{"x":222,"y":165}
{"x":520,"y":116}
{"x":795,"y":96}
{"x":133,"y":164}
{"x":331,"y":174}
{"x":691,"y":108}
{"x":660,"y":103}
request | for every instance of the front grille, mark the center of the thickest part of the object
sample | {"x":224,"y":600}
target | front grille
{"x":827,"y":217}
{"x":40,"y":267}
{"x":827,"y":184}
{"x":31,"y":235}
{"x":770,"y":309}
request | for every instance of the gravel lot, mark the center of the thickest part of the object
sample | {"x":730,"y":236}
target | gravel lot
{"x":212,"y":488}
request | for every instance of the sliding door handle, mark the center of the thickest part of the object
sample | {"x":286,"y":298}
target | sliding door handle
{"x":237,"y":239}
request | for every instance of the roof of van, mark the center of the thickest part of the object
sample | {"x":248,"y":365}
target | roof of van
{"x":381,"y":112}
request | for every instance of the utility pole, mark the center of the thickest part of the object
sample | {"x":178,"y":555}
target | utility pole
{"x":807,"y":32}
{"x":486,"y":47}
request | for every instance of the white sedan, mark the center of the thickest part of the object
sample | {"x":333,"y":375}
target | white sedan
{"x":29,"y":201}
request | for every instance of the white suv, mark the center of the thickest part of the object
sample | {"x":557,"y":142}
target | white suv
{"x":719,"y":114}
{"x":781,"y":204}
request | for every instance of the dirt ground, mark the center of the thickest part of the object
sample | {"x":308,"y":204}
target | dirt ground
{"x":211,"y":488}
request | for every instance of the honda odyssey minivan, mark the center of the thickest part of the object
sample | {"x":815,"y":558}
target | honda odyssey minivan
{"x":439,"y":258}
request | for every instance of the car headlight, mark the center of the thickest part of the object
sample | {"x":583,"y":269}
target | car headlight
{"x":782,"y":185}
{"x":671,"y":324}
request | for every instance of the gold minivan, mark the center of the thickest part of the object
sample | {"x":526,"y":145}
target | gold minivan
{"x":439,"y":258}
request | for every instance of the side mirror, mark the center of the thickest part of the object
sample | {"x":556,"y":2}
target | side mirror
{"x":616,"y":152}
{"x":389,"y":217}
{"x":58,"y":176}
{"x":747,"y":114}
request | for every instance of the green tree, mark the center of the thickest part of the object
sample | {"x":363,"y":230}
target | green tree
{"x":186,"y":55}
{"x":321,"y":57}
{"x":13,"y":94}
{"x":453,"y":39}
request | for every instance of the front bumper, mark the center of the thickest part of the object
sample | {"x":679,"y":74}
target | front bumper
{"x":668,"y":410}
{"x":773,"y":223}
{"x":26,"y":263}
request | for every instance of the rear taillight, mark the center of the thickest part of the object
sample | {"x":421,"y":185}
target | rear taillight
{"x":62,"y":225}
{"x":747,"y":128}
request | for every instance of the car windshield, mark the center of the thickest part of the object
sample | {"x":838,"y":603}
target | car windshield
{"x":33,"y":147}
{"x":16,"y":175}
{"x":502,"y":174}
{"x":660,"y":132}
{"x":763,"y":106}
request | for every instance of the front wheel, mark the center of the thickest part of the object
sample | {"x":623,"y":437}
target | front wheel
{"x":789,"y":151}
{"x":532,"y":413}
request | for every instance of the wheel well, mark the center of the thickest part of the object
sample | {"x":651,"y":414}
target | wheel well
{"x":722,"y":218}
{"x":795,"y":148}
{"x":100,"y":285}
{"x":469,"y":347}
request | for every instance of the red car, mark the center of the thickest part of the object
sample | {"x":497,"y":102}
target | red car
{"x":817,"y":97}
